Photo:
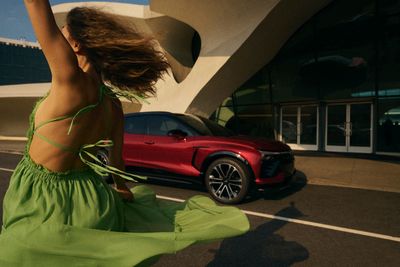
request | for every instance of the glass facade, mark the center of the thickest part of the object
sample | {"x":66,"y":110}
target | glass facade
{"x":334,"y":86}
{"x":22,"y":64}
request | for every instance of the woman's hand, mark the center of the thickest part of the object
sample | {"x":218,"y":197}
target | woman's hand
{"x":124,"y":192}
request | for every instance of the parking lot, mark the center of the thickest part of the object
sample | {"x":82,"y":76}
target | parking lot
{"x":304,"y":225}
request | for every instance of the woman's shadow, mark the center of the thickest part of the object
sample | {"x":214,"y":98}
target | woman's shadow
{"x":262,"y":246}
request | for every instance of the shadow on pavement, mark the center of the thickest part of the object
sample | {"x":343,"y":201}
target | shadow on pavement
{"x":298,"y":182}
{"x":262,"y":246}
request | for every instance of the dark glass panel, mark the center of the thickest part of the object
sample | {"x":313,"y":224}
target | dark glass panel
{"x":389,"y":125}
{"x":389,"y":57}
{"x":254,"y":91}
{"x":254,"y":120}
{"x":308,"y":123}
{"x":388,"y":7}
{"x":161,"y":125}
{"x":345,"y":66}
{"x":135,"y":125}
{"x":289,"y":125}
{"x":289,"y":80}
{"x":22,"y":65}
{"x":360,"y":118}
{"x":336,"y":125}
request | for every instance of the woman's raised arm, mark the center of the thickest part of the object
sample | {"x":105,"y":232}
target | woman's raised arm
{"x":58,"y":52}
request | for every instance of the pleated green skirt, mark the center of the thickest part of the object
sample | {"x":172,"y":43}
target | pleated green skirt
{"x":75,"y":219}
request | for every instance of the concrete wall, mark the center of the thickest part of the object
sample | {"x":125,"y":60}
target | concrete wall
{"x":14,"y":115}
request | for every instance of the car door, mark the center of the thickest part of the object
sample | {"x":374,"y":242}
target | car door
{"x":135,"y":129}
{"x":167,"y":154}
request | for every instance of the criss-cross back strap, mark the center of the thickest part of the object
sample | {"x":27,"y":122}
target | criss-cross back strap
{"x":60,"y":146}
{"x":103,"y":169}
{"x":74,"y":116}
{"x":84,"y":154}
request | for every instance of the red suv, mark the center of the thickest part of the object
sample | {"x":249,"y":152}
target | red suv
{"x":191,"y":148}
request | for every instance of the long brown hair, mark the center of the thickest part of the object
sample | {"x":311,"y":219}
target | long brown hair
{"x":125,"y":58}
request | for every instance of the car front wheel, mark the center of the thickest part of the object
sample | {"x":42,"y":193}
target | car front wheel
{"x":227,"y":180}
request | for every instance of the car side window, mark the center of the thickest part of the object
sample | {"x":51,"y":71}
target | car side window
{"x":161,"y":125}
{"x":135,"y":125}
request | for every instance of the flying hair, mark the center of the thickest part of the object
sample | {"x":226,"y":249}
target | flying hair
{"x":125,"y":58}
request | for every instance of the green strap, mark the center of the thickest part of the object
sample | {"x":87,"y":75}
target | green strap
{"x":101,"y":168}
{"x":60,"y":146}
{"x":51,"y":120}
{"x":93,"y":162}
{"x":79,"y":112}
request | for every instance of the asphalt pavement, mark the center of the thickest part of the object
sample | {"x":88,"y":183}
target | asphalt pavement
{"x":302,"y":225}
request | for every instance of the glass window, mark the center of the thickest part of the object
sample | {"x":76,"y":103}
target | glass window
{"x":161,"y":125}
{"x":291,"y":78}
{"x":389,"y":57}
{"x":135,"y":125}
{"x":345,"y":66}
{"x":308,"y":125}
{"x":254,"y":91}
{"x":389,"y":125}
{"x":222,"y":115}
{"x":22,"y":65}
{"x":388,"y":7}
{"x":254,"y":120}
{"x":228,"y":102}
{"x":289,"y":124}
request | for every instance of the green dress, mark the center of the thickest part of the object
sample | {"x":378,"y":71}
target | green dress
{"x":74,"y":218}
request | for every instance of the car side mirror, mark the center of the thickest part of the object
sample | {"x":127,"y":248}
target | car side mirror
{"x":178,"y":134}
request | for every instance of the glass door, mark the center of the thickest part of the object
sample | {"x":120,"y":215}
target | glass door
{"x":336,"y":117}
{"x":299,"y":127}
{"x":349,"y":128}
{"x":360,"y":139}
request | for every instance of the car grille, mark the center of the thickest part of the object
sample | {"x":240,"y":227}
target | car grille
{"x":272,"y":164}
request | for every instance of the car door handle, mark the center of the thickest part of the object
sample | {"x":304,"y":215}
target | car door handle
{"x":149,"y":142}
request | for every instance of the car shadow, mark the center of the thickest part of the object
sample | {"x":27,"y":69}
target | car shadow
{"x":262,"y":246}
{"x":299,"y":181}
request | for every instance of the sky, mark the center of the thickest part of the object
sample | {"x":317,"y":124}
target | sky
{"x":14,"y":21}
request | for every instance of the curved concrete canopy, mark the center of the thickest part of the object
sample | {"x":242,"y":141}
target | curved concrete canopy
{"x":238,"y":38}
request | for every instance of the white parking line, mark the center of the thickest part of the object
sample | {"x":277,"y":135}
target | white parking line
{"x":314,"y":224}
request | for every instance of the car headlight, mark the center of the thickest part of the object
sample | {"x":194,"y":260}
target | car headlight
{"x":267,"y":155}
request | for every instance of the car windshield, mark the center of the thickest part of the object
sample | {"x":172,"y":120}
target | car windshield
{"x":205,"y":126}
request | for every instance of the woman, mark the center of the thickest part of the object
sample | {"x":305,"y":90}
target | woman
{"x":57,"y":209}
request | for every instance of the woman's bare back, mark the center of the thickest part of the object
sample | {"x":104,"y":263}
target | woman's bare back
{"x":88,"y":127}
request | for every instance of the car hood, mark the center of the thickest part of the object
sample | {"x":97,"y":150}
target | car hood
{"x":257,"y":143}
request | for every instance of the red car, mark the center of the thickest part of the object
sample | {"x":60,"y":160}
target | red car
{"x":191,"y":148}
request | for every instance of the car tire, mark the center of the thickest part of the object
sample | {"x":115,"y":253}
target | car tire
{"x":102,"y":155}
{"x":227,"y":180}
